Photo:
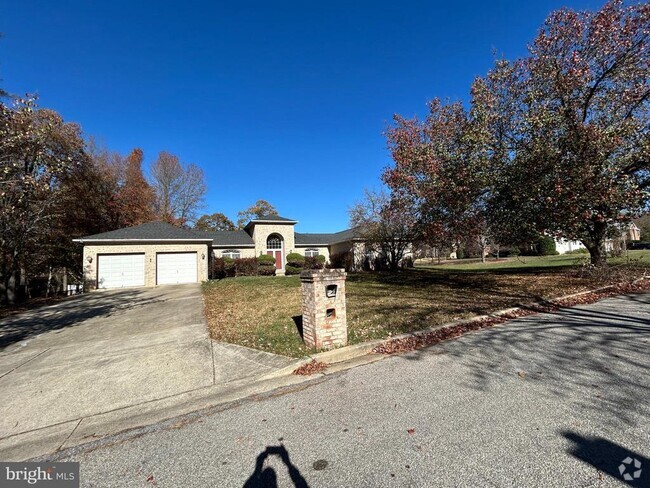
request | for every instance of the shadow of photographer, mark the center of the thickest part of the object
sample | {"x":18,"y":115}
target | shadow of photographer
{"x":267,"y":477}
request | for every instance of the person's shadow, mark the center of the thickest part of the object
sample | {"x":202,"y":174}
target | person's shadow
{"x":266,"y":477}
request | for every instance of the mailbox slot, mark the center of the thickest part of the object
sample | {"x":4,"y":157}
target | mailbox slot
{"x":330,"y":291}
{"x":330,"y":313}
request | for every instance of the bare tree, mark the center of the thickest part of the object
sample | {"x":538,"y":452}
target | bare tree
{"x":386,"y":225}
{"x":179,"y":189}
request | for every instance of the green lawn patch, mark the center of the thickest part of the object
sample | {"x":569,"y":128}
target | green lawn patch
{"x":261,"y":312}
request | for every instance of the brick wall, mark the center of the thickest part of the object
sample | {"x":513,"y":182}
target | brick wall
{"x":324,"y":317}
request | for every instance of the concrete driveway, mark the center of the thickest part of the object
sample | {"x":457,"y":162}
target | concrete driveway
{"x":108,"y":354}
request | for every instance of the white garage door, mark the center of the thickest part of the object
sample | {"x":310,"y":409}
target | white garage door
{"x":120,"y":270}
{"x":177,"y":267}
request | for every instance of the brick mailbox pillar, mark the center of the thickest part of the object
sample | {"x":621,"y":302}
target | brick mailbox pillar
{"x":324,"y":323}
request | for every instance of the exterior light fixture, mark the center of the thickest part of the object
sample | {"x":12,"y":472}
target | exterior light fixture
{"x":89,"y":259}
{"x":203,"y":256}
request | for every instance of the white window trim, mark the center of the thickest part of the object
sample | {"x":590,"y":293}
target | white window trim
{"x":227,"y":252}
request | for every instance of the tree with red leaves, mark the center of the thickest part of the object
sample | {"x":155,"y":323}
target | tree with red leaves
{"x":135,"y":197}
{"x":568,"y":126}
{"x":38,"y":152}
{"x":555,"y":143}
{"x":440,"y":166}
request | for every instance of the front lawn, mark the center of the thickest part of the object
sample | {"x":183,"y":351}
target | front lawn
{"x":261,"y":312}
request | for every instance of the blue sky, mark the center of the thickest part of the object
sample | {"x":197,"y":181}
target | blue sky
{"x":285,"y":101}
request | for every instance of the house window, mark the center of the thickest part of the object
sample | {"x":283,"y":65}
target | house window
{"x":274,"y":242}
{"x":231,"y":253}
{"x":311,"y":253}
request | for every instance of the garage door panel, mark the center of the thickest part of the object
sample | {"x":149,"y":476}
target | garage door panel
{"x":172,"y":268}
{"x":120,"y":270}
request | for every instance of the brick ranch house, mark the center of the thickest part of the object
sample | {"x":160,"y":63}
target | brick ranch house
{"x":157,"y":253}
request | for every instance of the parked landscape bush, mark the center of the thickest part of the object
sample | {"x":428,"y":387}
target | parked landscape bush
{"x":246,"y":267}
{"x":290,"y":270}
{"x":316,"y":262}
{"x":296,"y":260}
{"x":222,"y":268}
{"x":265,"y":265}
{"x":341,"y":260}
{"x":546,"y":246}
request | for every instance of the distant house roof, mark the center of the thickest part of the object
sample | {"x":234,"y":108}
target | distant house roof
{"x":326,"y":239}
{"x":231,"y":238}
{"x":272,"y":218}
{"x":642,"y":221}
{"x":150,"y":231}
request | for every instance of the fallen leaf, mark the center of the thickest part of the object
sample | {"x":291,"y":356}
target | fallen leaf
{"x":410,"y":431}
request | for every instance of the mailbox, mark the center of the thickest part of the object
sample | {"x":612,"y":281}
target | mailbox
{"x":324,"y":324}
{"x":330,"y":291}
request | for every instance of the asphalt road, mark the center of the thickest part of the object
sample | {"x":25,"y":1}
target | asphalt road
{"x":552,"y":400}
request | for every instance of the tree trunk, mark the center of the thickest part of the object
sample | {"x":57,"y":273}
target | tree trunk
{"x":49,"y":282}
{"x":597,"y":255}
{"x":64,"y":279}
{"x":9,"y":287}
{"x":596,"y":245}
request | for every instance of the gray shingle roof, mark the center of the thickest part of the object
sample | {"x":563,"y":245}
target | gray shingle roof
{"x":272,"y":218}
{"x":150,"y":231}
{"x":231,"y":238}
{"x":325,"y":239}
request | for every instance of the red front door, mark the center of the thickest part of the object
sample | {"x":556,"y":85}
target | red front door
{"x":278,"y":258}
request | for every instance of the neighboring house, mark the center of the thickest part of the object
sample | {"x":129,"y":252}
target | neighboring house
{"x":157,"y":253}
{"x":564,"y":246}
{"x":629,"y":232}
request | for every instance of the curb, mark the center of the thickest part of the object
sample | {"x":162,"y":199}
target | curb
{"x":355,"y":351}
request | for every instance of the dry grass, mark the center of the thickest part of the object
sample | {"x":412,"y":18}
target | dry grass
{"x":260,"y":312}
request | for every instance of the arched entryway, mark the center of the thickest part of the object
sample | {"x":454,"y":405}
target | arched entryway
{"x":275,"y":248}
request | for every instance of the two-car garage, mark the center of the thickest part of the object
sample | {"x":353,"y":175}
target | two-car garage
{"x":150,"y":254}
{"x":127,"y":270}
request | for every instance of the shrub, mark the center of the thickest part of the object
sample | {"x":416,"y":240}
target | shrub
{"x":514,"y":251}
{"x":265,"y":265}
{"x":316,"y":262}
{"x":246,"y":267}
{"x":296,"y":260}
{"x":265,"y":260}
{"x":222,"y":268}
{"x":292,"y":270}
{"x":406,"y":262}
{"x":341,"y":260}
{"x":546,"y":246}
